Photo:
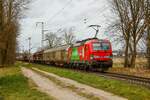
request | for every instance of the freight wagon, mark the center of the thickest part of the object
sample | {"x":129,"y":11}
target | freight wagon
{"x":56,"y":56}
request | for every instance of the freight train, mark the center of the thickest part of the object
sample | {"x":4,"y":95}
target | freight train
{"x":87,"y":54}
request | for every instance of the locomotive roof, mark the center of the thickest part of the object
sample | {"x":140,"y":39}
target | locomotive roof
{"x":83,"y":41}
{"x":64,"y":47}
{"x":78,"y":43}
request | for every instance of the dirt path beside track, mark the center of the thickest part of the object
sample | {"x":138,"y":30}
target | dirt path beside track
{"x":49,"y":87}
{"x":66,"y":89}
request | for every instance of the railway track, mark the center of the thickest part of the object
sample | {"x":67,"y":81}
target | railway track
{"x":129,"y":78}
{"x":145,"y":82}
{"x":142,"y":81}
{"x":123,"y":77}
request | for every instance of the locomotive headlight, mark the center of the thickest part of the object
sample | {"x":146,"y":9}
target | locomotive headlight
{"x":97,"y":57}
{"x":106,"y":56}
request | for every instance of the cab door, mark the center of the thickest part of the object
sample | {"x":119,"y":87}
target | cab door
{"x":86,"y":52}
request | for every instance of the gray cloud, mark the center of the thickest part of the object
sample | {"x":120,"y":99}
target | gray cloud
{"x":73,"y":15}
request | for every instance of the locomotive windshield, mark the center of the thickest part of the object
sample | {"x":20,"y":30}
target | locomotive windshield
{"x":101,"y":46}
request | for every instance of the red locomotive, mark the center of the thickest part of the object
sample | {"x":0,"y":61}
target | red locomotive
{"x":91,"y":53}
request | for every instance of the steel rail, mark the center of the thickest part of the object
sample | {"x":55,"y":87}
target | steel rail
{"x":130,"y":78}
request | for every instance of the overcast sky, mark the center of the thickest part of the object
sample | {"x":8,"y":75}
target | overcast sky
{"x":58,"y":14}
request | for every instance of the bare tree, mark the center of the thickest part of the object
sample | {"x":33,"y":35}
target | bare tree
{"x":1,"y":31}
{"x":10,"y":13}
{"x":68,"y":36}
{"x":147,"y":19}
{"x":148,"y":47}
{"x":120,"y":26}
{"x":131,"y":24}
{"x":53,"y":40}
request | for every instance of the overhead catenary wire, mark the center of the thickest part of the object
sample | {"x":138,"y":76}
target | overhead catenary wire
{"x":99,"y":12}
{"x":60,"y":11}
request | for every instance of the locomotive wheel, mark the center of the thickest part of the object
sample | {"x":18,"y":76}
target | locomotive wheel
{"x":87,"y":68}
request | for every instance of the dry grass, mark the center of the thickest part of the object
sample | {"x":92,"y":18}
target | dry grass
{"x":119,"y":61}
{"x":142,"y":72}
{"x":140,"y":69}
{"x":8,"y":71}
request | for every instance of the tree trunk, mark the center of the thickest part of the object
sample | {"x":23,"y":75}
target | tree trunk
{"x":133,"y":58}
{"x":1,"y":32}
{"x":0,"y":57}
{"x":148,"y":46}
{"x":126,"y":61}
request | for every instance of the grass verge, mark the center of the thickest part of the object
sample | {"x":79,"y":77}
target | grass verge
{"x":14,"y":86}
{"x":130,"y":91}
